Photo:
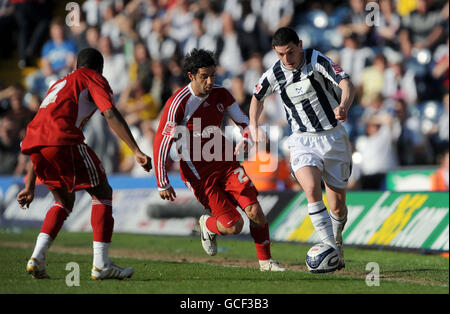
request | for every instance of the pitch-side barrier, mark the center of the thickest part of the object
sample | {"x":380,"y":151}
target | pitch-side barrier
{"x":406,"y":220}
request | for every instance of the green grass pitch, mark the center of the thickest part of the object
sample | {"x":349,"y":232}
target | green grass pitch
{"x":178,"y":265}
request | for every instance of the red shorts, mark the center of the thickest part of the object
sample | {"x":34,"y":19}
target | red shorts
{"x":222,"y":191}
{"x":75,"y":167}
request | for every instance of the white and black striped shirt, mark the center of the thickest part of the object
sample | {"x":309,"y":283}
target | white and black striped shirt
{"x":309,"y":93}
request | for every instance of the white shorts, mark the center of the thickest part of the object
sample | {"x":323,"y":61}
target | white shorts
{"x":328,"y":150}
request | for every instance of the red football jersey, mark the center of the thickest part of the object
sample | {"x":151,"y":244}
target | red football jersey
{"x":67,"y":106}
{"x":201,"y":119}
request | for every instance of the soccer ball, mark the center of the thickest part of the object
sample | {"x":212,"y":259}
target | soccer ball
{"x":322,"y":258}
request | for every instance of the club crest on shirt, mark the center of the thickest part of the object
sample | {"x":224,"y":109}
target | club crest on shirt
{"x":220,"y":107}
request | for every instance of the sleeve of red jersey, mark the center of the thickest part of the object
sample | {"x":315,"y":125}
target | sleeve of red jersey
{"x":172,"y":114}
{"x":236,"y":114}
{"x":101,"y":92}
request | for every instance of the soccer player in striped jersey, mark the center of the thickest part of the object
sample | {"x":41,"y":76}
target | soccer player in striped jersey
{"x":309,"y":84}
{"x":194,"y":114}
{"x":62,"y":161}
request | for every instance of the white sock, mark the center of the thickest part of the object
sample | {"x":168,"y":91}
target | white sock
{"x":322,"y":222}
{"x":338,"y":226}
{"x":43,"y":243}
{"x":101,"y":254}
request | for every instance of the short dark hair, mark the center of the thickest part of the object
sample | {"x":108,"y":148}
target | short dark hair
{"x":197,"y":59}
{"x":284,"y":36}
{"x":90,"y":58}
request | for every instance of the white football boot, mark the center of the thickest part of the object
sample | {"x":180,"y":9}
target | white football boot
{"x":270,"y":265}
{"x":112,"y":271}
{"x":208,"y":238}
{"x":36,"y":269}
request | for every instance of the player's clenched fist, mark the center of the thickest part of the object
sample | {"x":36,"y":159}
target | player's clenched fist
{"x":340,"y":113}
{"x":25,"y":197}
{"x":168,"y":194}
{"x":144,"y":161}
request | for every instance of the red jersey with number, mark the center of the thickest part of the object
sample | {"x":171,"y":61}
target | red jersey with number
{"x":195,"y":123}
{"x":67,"y":106}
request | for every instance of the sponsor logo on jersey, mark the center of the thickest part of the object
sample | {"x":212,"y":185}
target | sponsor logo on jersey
{"x":299,"y":90}
{"x":220,"y":107}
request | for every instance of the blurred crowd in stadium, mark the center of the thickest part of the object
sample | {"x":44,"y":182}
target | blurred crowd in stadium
{"x":396,"y":52}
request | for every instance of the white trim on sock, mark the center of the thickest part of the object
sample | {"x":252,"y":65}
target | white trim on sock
{"x":43,"y":243}
{"x":322,"y":223}
{"x":101,"y":254}
{"x":316,"y":207}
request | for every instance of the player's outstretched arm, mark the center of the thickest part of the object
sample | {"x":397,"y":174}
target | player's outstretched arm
{"x":120,"y":127}
{"x":256,"y":108}
{"x":240,"y":119}
{"x":348,"y":94}
{"x":164,"y":138}
{"x":26,"y":195}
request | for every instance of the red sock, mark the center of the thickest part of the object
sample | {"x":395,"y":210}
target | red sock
{"x":102,"y":221}
{"x":54,"y":219}
{"x":211,"y":224}
{"x":262,"y":241}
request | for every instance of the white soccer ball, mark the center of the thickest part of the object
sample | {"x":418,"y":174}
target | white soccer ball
{"x":322,"y":258}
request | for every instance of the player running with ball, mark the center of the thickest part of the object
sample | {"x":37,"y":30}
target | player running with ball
{"x":60,"y":159}
{"x":319,"y":145}
{"x":193,"y":116}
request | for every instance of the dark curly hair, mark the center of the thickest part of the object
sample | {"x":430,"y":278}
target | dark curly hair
{"x":283,"y":36}
{"x":197,"y":59}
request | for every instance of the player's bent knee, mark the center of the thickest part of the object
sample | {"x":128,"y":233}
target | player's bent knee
{"x":236,"y":228}
{"x":255,"y":214}
{"x":252,"y":211}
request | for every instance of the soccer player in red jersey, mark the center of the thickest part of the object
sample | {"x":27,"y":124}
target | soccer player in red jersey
{"x":193,"y":116}
{"x":61,"y":160}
